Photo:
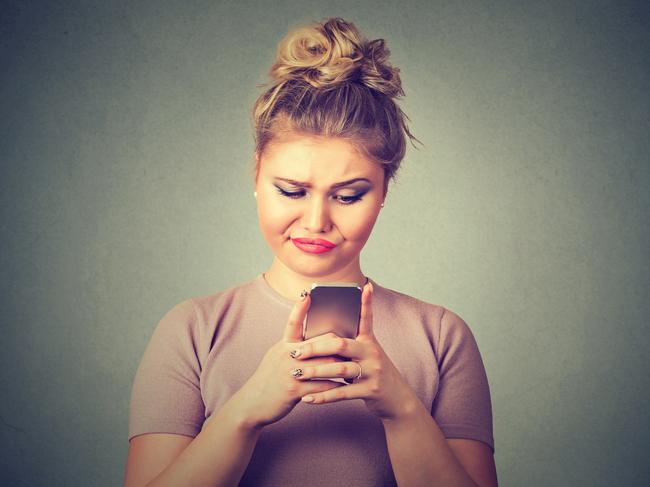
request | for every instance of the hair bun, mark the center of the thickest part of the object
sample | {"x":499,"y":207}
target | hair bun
{"x":327,"y":54}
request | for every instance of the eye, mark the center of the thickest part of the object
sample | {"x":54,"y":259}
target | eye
{"x":344,"y":200}
{"x":289,"y":194}
{"x":348,"y":200}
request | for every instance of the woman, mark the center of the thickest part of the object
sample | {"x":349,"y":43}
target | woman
{"x":226,"y":392}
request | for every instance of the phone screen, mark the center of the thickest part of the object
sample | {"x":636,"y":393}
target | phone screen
{"x":333,"y":308}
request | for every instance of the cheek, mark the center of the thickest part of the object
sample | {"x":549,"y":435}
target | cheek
{"x":357,"y":226}
{"x":273,"y":217}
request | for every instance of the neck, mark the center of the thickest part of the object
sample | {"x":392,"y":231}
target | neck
{"x":290,"y":284}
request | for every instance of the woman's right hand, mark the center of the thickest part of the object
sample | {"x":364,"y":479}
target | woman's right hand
{"x":272,"y":392}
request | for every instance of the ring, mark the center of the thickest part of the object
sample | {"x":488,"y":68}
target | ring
{"x":358,"y":376}
{"x":350,"y":381}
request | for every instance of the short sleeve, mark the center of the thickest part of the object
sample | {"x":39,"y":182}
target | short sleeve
{"x":166,"y":395}
{"x":462,"y":407}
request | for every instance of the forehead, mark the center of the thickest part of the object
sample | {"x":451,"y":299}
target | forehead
{"x":303,"y":157}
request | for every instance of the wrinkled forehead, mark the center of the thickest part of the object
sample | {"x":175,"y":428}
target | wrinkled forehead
{"x":317,"y":155}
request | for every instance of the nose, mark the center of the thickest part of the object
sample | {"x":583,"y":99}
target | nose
{"x":316,"y":217}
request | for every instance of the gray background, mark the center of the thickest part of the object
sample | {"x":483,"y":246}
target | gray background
{"x":126,"y":145}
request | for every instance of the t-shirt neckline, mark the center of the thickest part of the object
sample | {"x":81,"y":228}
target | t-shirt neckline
{"x":263,"y":284}
{"x":272,"y":293}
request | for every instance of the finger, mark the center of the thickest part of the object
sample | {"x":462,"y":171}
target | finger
{"x":298,"y":368}
{"x":354,"y":391}
{"x":297,"y":351}
{"x":345,"y":347}
{"x":331,"y":359}
{"x":293,"y":330}
{"x":343,"y":370}
{"x":317,"y":386}
{"x":365,"y":319}
{"x":324,"y":336}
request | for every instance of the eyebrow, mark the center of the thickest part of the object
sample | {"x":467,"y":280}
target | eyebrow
{"x":336,"y":185}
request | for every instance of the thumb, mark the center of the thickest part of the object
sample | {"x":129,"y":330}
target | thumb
{"x":293,"y":330}
{"x":365,"y":320}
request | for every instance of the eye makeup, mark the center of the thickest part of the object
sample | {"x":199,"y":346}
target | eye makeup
{"x":343,"y":199}
{"x":307,"y":185}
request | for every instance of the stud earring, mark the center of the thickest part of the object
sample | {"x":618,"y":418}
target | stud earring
{"x":255,"y":193}
{"x":382,"y":205}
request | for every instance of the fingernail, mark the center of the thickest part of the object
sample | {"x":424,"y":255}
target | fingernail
{"x":296,"y":372}
{"x":303,"y":294}
{"x":295,"y":353}
{"x":308,"y":399}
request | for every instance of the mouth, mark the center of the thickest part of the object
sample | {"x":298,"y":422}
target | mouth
{"x":314,"y":241}
{"x":313,"y":245}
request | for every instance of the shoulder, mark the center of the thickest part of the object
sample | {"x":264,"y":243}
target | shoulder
{"x":441,"y":320}
{"x":194,"y":307}
{"x":452,"y":322}
{"x":187,"y":318}
{"x":395,"y":300}
{"x":390,"y":299}
{"x":447,"y":316}
{"x":178,"y":319}
{"x":225,"y":294}
{"x":210,"y":308}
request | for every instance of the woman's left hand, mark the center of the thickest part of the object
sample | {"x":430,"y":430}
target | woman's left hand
{"x":381,"y":385}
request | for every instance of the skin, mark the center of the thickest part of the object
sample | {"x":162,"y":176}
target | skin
{"x":318,"y":211}
{"x":219,"y":454}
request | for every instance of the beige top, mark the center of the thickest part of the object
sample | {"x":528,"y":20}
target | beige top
{"x":205,"y":348}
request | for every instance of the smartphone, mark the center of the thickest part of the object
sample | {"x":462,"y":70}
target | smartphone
{"x":335,"y":307}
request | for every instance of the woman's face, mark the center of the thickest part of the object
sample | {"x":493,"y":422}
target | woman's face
{"x":312,"y":187}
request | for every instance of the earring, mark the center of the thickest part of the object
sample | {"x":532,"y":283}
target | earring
{"x":255,"y":193}
{"x":382,"y":205}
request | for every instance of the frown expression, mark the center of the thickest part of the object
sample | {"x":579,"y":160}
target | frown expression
{"x":300,"y":195}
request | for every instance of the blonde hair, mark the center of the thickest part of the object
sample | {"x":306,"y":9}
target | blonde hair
{"x":329,"y":80}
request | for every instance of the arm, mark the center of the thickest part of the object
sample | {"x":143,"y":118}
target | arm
{"x":166,"y":397}
{"x":222,"y":450}
{"x":217,"y":456}
{"x":420,"y":454}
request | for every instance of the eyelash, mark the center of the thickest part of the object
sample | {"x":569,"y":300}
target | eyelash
{"x":345,"y":200}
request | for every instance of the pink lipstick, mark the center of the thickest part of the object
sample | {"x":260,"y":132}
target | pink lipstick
{"x":313,"y":245}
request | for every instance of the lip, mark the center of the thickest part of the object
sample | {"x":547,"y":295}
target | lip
{"x":313,"y":245}
{"x":315,"y":241}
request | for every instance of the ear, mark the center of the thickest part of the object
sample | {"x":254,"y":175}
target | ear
{"x":256,"y":168}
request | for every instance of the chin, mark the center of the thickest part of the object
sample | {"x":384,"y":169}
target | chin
{"x":305,"y":269}
{"x":313,"y":269}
